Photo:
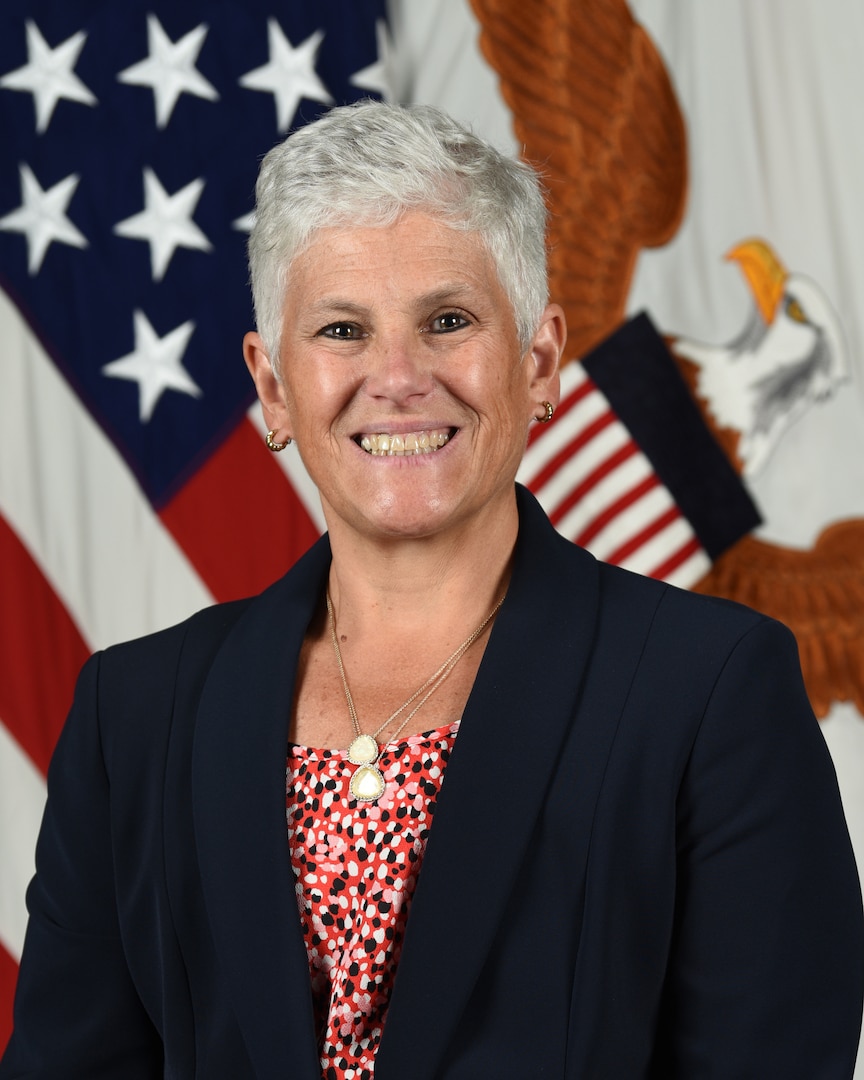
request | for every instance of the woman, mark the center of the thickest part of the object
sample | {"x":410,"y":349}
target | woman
{"x":638,"y":866}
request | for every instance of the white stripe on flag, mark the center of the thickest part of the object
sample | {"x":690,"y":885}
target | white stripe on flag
{"x":22,"y":801}
{"x":74,"y":503}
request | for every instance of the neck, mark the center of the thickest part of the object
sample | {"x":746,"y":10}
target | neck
{"x":421,"y":589}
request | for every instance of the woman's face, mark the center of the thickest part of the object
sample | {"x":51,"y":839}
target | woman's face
{"x":397,"y":339}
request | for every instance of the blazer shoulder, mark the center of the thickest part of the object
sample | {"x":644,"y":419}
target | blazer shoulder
{"x":202,"y":632}
{"x":678,"y":610}
{"x":136,"y":689}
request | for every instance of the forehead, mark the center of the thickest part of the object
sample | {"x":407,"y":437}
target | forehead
{"x":415,"y":255}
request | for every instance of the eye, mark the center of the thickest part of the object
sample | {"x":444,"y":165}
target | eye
{"x":448,"y":322}
{"x":795,"y":311}
{"x":341,"y":331}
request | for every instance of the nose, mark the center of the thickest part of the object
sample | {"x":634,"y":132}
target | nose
{"x":399,"y":369}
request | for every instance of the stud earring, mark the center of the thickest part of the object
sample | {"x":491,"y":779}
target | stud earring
{"x":273,"y":445}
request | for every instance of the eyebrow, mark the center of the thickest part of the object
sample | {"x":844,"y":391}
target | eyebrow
{"x":332,"y":305}
{"x":450,"y":292}
{"x":447,"y":293}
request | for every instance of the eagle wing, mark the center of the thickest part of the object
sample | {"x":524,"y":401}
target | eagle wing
{"x":818,"y":594}
{"x":594,"y":108}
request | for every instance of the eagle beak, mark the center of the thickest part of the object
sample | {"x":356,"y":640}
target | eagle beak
{"x":764,"y":272}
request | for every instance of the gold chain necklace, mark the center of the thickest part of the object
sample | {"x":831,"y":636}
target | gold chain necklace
{"x":367,"y":782}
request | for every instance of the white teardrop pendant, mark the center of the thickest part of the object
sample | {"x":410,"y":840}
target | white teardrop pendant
{"x":367,"y":783}
{"x":363,"y":750}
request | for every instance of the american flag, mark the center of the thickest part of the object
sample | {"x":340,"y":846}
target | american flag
{"x":134,"y":485}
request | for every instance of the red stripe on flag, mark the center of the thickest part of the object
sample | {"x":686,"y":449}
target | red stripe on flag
{"x":644,"y":535}
{"x":615,"y":508}
{"x":564,"y":406}
{"x":8,"y":977}
{"x":585,"y":436}
{"x":674,"y":561}
{"x":238,"y":519}
{"x":41,"y":653}
{"x":592,"y":480}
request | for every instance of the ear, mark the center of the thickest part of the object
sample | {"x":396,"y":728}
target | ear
{"x":544,"y":356}
{"x":271,"y":392}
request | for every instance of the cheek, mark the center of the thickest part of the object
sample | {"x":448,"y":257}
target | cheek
{"x":496,"y":375}
{"x":512,"y":392}
{"x":317,"y":393}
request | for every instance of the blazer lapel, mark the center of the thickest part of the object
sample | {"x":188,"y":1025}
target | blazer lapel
{"x":238,"y":787}
{"x":516,"y":719}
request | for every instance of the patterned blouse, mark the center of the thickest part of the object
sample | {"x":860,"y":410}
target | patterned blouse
{"x":355,"y":870}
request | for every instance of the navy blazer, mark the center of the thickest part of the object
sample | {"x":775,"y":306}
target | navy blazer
{"x":638,"y":867}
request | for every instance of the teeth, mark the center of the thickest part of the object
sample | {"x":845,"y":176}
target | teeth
{"x":415,"y":442}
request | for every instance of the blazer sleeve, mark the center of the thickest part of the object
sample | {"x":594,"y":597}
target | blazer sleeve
{"x":767,"y":962}
{"x":77,"y":1013}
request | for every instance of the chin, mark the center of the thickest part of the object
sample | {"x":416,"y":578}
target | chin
{"x":397,"y":518}
{"x":393,"y":518}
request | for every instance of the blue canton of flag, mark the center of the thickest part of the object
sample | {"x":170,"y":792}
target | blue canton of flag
{"x":133,"y":483}
{"x":132,"y":135}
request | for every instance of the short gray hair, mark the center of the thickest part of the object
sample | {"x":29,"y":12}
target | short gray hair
{"x":366,"y":164}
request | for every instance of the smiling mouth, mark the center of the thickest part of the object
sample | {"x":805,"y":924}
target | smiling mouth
{"x":408,"y":444}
